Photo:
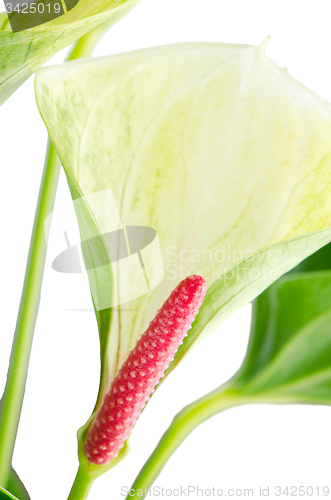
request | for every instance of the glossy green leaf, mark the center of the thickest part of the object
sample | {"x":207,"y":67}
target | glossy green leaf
{"x":320,"y":260}
{"x":5,"y":495}
{"x":289,"y":354}
{"x":23,"y":52}
{"x":219,"y":150}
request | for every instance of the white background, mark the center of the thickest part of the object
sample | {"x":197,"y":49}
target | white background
{"x":242,"y":448}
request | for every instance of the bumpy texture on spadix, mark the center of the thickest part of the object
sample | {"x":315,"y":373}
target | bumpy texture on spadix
{"x":142,"y":370}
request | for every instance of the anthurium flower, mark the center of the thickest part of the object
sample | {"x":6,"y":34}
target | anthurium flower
{"x":214,"y":147}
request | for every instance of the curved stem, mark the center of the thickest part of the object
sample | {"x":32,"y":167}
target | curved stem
{"x":182,"y":425}
{"x":12,"y":400}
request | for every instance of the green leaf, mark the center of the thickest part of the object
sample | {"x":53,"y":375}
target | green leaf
{"x":215,"y":147}
{"x":22,"y":53}
{"x":4,"y":495}
{"x":289,"y":355}
{"x":282,"y":310}
{"x":319,"y":261}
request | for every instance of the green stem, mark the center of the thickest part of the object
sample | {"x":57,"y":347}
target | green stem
{"x":182,"y":425}
{"x":12,"y":400}
{"x":82,"y":485}
{"x":11,"y":403}
{"x":86,"y":43}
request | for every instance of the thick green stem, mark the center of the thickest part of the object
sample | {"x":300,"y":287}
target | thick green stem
{"x":82,"y":485}
{"x":182,"y":425}
{"x":12,"y":400}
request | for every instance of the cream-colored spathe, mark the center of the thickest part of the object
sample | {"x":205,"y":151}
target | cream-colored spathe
{"x":212,"y":145}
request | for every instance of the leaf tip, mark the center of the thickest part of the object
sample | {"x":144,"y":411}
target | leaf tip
{"x":263,"y":44}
